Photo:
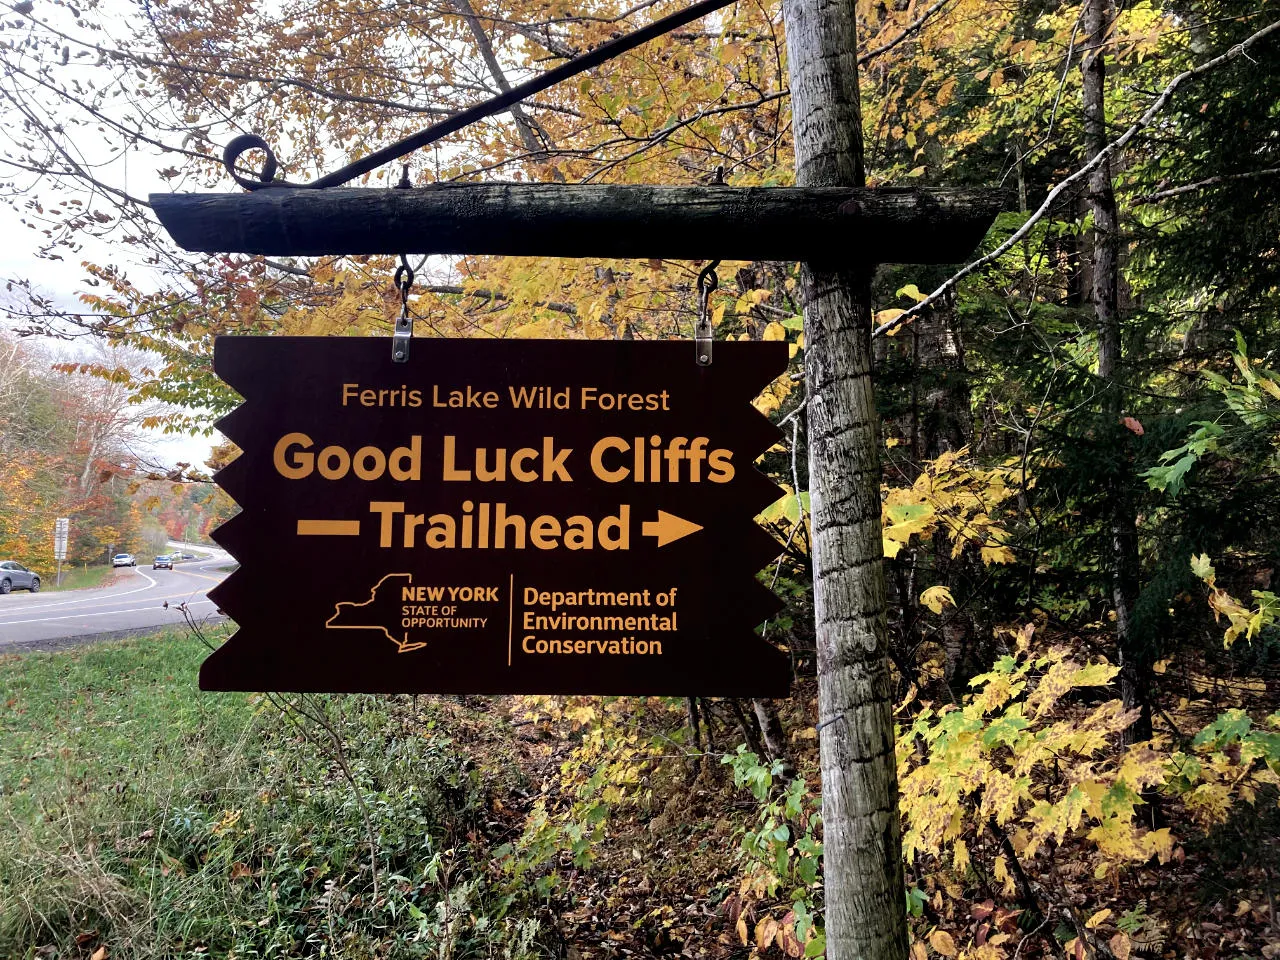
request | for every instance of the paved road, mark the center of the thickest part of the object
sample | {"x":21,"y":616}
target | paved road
{"x":136,"y":601}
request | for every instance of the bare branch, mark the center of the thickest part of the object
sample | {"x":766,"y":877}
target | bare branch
{"x":529,"y":133}
{"x":449,"y":290}
{"x":1204,"y":185}
{"x":286,"y":268}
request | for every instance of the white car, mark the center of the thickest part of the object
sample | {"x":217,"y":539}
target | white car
{"x":124,"y":560}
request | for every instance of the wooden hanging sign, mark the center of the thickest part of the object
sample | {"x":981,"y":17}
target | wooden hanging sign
{"x":497,"y":516}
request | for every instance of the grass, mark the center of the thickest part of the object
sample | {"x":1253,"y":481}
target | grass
{"x":76,"y":578}
{"x":143,"y":816}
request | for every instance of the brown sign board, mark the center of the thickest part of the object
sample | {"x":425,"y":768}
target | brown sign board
{"x":497,"y":516}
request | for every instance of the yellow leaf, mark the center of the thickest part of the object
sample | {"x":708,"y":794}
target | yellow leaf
{"x":742,"y":931}
{"x":766,"y":930}
{"x":766,"y":403}
{"x":1002,"y":874}
{"x":916,"y":171}
{"x":943,"y":943}
{"x":774,"y":331}
{"x":997,"y":554}
{"x":888,"y":316}
{"x":911,"y":290}
{"x":1158,"y":843}
{"x":537,"y":330}
{"x":960,"y":856}
{"x":919,"y":951}
{"x":1097,"y":919}
{"x":902,"y":520}
{"x":937,"y":597}
{"x":99,"y":954}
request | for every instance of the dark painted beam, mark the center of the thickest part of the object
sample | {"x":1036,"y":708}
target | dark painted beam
{"x":824,"y":224}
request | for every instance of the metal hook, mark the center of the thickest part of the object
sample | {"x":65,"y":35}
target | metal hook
{"x":702,"y":333}
{"x":403,"y":335}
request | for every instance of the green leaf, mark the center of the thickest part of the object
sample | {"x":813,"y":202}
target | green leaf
{"x":1227,"y":728}
{"x":906,"y":512}
{"x":1169,"y":479}
{"x":1202,"y":567}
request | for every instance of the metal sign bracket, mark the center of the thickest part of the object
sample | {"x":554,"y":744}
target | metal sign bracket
{"x":402,"y":338}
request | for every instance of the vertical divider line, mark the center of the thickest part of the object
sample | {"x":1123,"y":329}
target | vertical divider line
{"x":511,"y":613}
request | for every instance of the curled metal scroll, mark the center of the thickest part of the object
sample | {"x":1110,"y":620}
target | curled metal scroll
{"x":243,"y":144}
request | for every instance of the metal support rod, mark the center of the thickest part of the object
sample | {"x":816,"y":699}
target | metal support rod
{"x":602,"y":54}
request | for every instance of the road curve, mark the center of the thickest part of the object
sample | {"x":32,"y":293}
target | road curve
{"x":139,"y":599}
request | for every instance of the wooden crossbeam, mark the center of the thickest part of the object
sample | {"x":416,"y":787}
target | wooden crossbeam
{"x":825,"y":224}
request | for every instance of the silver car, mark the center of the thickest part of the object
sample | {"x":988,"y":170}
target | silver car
{"x":14,"y":576}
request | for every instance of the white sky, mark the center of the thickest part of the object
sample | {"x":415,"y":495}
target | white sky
{"x":135,"y":172}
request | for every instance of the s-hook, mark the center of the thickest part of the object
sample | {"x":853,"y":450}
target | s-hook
{"x":403,"y":335}
{"x":702,"y":333}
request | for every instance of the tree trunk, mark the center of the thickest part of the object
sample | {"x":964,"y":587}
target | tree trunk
{"x":862,"y":848}
{"x":1134,"y":658}
{"x":946,"y":425}
{"x":774,"y":740}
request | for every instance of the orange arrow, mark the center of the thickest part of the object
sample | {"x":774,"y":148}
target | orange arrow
{"x":668,"y":527}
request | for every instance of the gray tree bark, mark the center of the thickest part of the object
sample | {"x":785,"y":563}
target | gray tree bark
{"x":1134,"y":659}
{"x":772,"y":735}
{"x":862,"y":848}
